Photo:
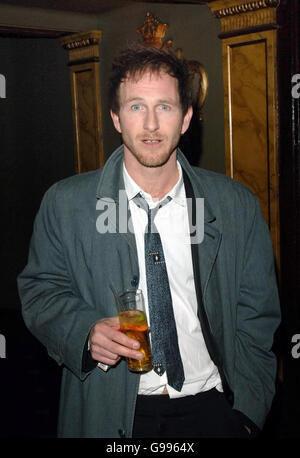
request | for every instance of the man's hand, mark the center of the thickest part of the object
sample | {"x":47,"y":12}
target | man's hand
{"x":108,"y":345}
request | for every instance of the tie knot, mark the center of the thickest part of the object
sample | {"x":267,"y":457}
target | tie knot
{"x":141,"y":202}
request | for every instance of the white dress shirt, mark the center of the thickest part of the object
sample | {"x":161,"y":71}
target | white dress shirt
{"x":172,"y":223}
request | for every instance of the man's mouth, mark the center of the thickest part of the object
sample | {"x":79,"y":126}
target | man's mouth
{"x":151,"y":141}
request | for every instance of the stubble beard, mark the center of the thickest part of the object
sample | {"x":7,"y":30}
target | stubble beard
{"x":152,"y":162}
{"x":155,"y":160}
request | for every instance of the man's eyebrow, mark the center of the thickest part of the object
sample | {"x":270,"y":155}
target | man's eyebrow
{"x":169,"y":101}
{"x":140,"y":99}
{"x":134,"y":99}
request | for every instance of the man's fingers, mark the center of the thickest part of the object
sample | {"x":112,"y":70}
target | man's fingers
{"x":122,"y":339}
{"x":107,"y":344}
{"x":109,"y":329}
{"x":107,"y":347}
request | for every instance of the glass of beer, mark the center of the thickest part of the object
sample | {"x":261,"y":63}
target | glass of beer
{"x":133,"y":323}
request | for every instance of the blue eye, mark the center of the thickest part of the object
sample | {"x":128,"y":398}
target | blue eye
{"x":136,"y":107}
{"x":165,"y":107}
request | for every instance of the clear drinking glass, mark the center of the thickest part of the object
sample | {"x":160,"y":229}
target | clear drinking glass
{"x":133,"y":323}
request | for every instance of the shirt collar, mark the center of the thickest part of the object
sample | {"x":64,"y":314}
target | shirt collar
{"x":177,"y":193}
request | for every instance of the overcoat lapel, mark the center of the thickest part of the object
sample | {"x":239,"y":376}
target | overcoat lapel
{"x":203,"y":257}
{"x":111,"y":188}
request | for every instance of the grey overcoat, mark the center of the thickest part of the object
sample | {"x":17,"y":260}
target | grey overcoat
{"x":65,"y":290}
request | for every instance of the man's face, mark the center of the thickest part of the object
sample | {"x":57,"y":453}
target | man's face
{"x":150,"y":118}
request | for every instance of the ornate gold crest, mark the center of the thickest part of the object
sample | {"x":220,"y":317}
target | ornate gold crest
{"x":153,"y":32}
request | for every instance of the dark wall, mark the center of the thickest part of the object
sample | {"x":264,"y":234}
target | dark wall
{"x":289,"y":161}
{"x":36,"y":150}
{"x":36,"y":143}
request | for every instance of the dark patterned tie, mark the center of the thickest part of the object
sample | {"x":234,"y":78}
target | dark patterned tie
{"x":164,"y":339}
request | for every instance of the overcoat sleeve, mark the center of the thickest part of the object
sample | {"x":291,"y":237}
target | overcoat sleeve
{"x":52,"y":308}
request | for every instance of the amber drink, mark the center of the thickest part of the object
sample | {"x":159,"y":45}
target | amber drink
{"x":133,"y":323}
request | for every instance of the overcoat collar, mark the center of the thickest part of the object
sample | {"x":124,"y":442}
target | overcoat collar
{"x":111,"y":180}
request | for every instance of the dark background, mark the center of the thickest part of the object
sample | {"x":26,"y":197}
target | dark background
{"x":36,"y":148}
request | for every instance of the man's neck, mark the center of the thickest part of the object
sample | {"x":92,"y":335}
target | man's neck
{"x":156,"y":181}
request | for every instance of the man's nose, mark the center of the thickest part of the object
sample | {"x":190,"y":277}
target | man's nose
{"x":151,"y":122}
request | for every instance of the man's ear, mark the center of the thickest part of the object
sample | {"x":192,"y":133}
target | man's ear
{"x":186,"y":120}
{"x":116,"y":121}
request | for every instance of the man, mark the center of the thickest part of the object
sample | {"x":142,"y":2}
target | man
{"x":220,"y":289}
